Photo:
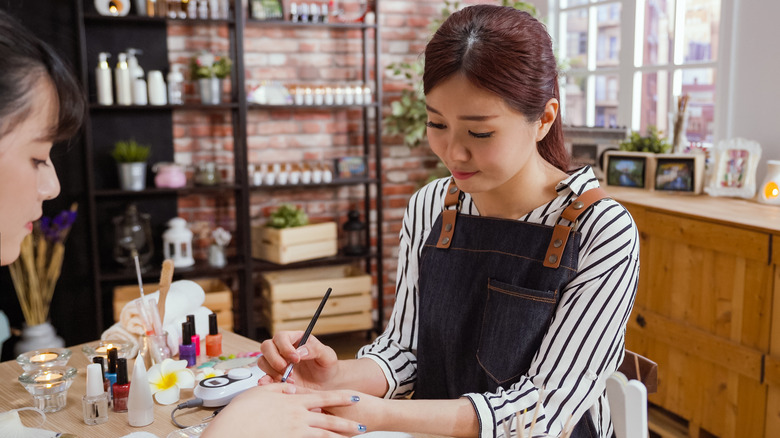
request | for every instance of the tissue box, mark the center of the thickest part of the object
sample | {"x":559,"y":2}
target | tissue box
{"x":290,"y":298}
{"x":288,"y":245}
{"x":219,"y":299}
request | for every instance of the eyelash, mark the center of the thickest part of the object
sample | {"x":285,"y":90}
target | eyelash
{"x":38,"y":162}
{"x":473,"y":134}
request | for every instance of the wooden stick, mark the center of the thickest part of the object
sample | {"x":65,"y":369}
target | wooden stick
{"x":636,"y":365}
{"x":166,"y":277}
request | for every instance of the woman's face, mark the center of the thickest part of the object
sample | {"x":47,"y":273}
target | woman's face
{"x":27,"y":175}
{"x":481,"y":140}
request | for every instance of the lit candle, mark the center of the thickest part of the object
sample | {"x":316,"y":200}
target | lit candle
{"x":44,"y":357}
{"x":103,"y":350}
{"x":47,"y":377}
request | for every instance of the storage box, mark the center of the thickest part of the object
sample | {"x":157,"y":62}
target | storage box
{"x":290,"y":298}
{"x":288,"y":245}
{"x":219,"y":299}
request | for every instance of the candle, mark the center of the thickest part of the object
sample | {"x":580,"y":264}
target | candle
{"x":47,"y":377}
{"x":44,"y":357}
{"x":104,"y":349}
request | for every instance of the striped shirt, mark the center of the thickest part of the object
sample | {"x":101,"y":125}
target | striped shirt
{"x":585,"y":342}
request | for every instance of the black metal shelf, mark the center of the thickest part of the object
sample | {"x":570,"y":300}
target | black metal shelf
{"x":168,"y":107}
{"x":300,"y":24}
{"x":334,"y":183}
{"x":140,"y":19}
{"x":199,"y":269}
{"x":258,"y":106}
{"x":183,"y":191}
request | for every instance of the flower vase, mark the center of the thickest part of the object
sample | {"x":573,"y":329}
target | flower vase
{"x":37,"y":337}
{"x":217,"y":257}
{"x":210,"y":91}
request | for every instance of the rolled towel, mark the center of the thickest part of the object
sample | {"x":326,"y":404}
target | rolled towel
{"x":119,"y":333}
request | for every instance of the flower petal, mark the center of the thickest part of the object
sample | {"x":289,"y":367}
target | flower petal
{"x":185,"y":378}
{"x":168,"y":396}
{"x":155,"y":374}
{"x":171,"y":366}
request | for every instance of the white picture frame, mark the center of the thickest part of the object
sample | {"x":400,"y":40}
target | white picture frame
{"x":734,"y":165}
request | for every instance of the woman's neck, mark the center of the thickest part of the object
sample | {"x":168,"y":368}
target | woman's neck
{"x":529,"y":189}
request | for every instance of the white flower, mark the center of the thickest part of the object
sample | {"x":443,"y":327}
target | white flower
{"x":221,"y":236}
{"x":205,"y":373}
{"x":166,"y":378}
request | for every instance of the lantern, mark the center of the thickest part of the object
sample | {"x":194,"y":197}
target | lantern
{"x":769,"y":191}
{"x":355,"y":231}
{"x":177,"y":243}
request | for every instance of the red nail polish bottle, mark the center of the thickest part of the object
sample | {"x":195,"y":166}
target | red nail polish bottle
{"x":121,"y":387}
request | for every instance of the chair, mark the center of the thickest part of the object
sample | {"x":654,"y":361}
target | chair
{"x":627,"y":391}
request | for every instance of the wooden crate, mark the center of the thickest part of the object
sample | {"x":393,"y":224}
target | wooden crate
{"x":290,"y":298}
{"x":288,"y":245}
{"x":219,"y":299}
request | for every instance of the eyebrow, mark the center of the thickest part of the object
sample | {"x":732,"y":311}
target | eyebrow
{"x":473,"y":118}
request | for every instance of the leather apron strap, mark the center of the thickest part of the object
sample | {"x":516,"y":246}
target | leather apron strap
{"x":561,"y":232}
{"x":448,"y":216}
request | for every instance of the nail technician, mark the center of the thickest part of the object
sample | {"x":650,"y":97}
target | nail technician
{"x":515,"y":277}
{"x":40,"y":104}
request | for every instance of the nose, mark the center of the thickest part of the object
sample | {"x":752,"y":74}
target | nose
{"x":457,"y":150}
{"x":48,"y":183}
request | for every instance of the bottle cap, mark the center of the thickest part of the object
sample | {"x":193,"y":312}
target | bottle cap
{"x":94,"y":380}
{"x":113,"y":354}
{"x":213,"y":330}
{"x":191,"y":320}
{"x":186,"y":334}
{"x":121,"y":371}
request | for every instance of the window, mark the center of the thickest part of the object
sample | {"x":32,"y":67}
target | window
{"x":612,"y":81}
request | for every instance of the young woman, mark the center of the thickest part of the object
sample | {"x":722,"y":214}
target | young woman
{"x":40,"y":103}
{"x":515,"y":277}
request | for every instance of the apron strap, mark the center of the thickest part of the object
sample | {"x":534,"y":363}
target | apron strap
{"x":448,"y":216}
{"x":561,"y":232}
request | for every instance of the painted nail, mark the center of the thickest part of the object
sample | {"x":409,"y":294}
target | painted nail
{"x":361,"y":427}
{"x":355,"y":398}
{"x":303,"y":351}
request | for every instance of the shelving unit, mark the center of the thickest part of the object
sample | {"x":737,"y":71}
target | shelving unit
{"x":154,"y":125}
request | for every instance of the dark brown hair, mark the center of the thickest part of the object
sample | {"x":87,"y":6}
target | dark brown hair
{"x":507,"y":52}
{"x":24,"y":62}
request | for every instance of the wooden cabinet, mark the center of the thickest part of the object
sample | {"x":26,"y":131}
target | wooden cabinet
{"x":706,"y":311}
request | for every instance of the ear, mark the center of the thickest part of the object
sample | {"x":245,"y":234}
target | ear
{"x":548,"y":117}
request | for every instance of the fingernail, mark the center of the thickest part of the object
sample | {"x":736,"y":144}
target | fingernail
{"x":303,"y":351}
{"x":355,"y":398}
{"x":361,"y":427}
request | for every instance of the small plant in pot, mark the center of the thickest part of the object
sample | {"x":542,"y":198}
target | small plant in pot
{"x":131,"y":158}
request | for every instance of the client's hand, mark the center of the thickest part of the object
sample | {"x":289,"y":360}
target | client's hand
{"x":315,"y":364}
{"x":276,"y":411}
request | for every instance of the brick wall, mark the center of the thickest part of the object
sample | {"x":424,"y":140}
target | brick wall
{"x":307,"y":56}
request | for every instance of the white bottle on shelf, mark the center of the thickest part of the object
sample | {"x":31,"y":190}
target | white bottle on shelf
{"x":103,"y":82}
{"x":136,"y":72}
{"x":157,"y":91}
{"x":139,"y":92}
{"x":175,"y":85}
{"x":124,"y":94}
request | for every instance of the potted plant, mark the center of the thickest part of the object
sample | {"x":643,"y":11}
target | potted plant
{"x":131,"y":159}
{"x":209,"y":70}
{"x":652,"y":142}
{"x":288,"y":237}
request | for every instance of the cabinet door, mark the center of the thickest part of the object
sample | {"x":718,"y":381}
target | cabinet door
{"x":702,"y":313}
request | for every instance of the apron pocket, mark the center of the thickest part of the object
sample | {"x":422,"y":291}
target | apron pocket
{"x":513,"y":325}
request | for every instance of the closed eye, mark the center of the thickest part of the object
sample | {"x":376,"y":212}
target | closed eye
{"x":37,"y":162}
{"x":481,"y":134}
{"x":435,"y":125}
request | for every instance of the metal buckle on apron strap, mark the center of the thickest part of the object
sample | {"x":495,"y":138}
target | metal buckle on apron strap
{"x":561,"y":232}
{"x":448,"y":216}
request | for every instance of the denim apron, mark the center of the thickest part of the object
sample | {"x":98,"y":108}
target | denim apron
{"x":487,"y":294}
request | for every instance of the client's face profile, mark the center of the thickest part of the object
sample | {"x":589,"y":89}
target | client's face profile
{"x":27,"y":175}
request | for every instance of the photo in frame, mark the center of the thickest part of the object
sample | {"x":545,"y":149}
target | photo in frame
{"x":629,"y":169}
{"x":734,"y":165}
{"x":679,"y":173}
{"x":587,"y":145}
{"x":351,"y":168}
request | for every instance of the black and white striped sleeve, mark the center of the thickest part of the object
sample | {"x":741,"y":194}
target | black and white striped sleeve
{"x":585,"y":342}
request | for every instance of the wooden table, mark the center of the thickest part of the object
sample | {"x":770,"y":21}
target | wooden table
{"x":71,"y":420}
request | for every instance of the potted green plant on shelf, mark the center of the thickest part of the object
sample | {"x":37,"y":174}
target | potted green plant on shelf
{"x":652,"y":142}
{"x":210,"y":70}
{"x":131,"y":158}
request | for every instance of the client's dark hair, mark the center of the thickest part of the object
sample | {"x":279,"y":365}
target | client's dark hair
{"x":24,"y":61}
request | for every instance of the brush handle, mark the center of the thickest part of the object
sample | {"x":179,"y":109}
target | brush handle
{"x":166,"y":276}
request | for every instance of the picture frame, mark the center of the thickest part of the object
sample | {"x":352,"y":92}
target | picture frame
{"x":734,"y":165}
{"x":266,"y":10}
{"x":582,"y":143}
{"x":350,"y":167}
{"x":679,"y":173}
{"x":629,"y":169}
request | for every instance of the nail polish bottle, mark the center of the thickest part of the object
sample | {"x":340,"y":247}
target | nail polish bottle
{"x":121,"y":387}
{"x":95,"y":402}
{"x":100,"y":360}
{"x":187,"y":349}
{"x":214,"y":338}
{"x":113,"y":355}
{"x":195,"y":336}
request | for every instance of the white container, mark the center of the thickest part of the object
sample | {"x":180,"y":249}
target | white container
{"x":140,"y":406}
{"x":139,"y":92}
{"x":157,"y":90}
{"x":214,"y":9}
{"x":175,"y":85}
{"x":136,"y":72}
{"x":103,"y":82}
{"x":124,"y":89}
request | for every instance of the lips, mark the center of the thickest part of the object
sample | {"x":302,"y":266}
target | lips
{"x":462,"y":175}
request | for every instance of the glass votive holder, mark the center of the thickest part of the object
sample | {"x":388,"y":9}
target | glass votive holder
{"x":100,"y":348}
{"x":154,"y":349}
{"x":44,"y":358}
{"x":49,"y":386}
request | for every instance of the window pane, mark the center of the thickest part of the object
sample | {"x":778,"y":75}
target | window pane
{"x":574,"y":106}
{"x":699,"y":85}
{"x":606,"y":101}
{"x":608,"y":35}
{"x":576,"y":37}
{"x":570,"y":3}
{"x":659,"y":32}
{"x":654,"y":105}
{"x":700,"y":39}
